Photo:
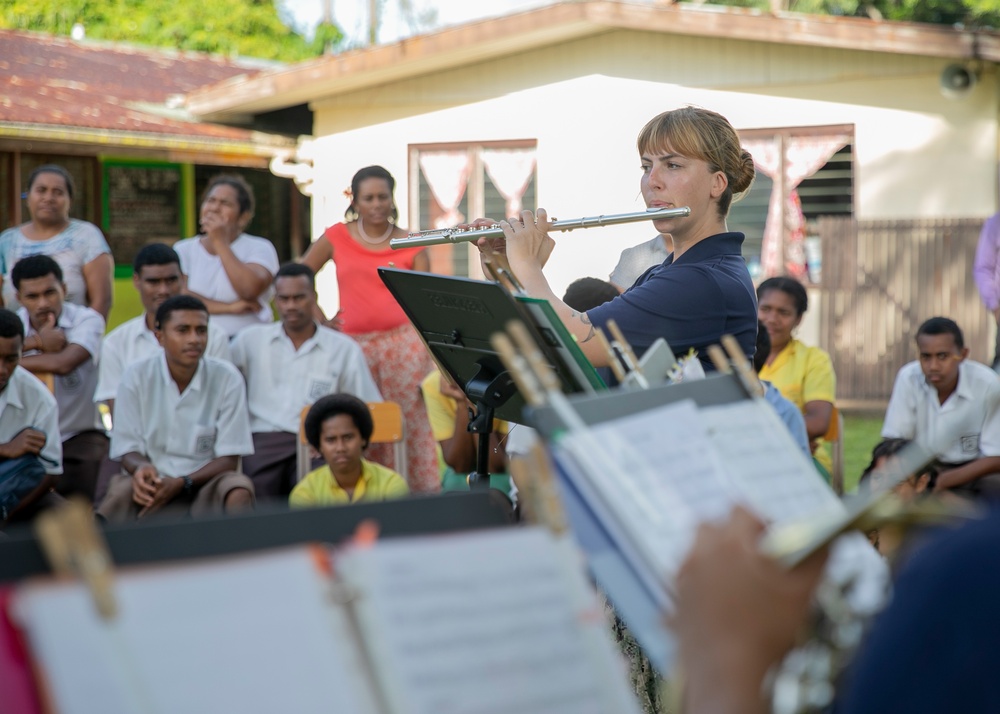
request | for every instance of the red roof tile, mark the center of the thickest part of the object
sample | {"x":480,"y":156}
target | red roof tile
{"x":57,"y":81}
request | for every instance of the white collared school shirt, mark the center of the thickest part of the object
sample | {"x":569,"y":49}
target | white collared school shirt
{"x":181,"y":432}
{"x":26,"y":402}
{"x":75,"y":391}
{"x":133,"y":341}
{"x":281,"y":380}
{"x":965,"y":427}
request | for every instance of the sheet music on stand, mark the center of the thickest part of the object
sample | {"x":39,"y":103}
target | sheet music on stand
{"x":485,"y":621}
{"x":650,"y":466}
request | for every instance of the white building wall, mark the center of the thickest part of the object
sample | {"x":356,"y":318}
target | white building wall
{"x":918,"y":155}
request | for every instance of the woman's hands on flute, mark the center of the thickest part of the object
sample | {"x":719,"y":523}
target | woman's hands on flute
{"x":525,"y":241}
{"x":525,"y":238}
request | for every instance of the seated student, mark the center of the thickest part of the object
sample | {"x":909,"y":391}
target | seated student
{"x":448,"y":411}
{"x":288,"y":366}
{"x":156,"y":275}
{"x":788,"y":412}
{"x":64,"y":339}
{"x":181,"y":424}
{"x":339,"y":426}
{"x":803,"y":374}
{"x":952,"y":405}
{"x":590,"y":293}
{"x":910,"y":489}
{"x":29,"y":419}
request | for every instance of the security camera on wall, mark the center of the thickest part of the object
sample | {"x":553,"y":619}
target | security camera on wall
{"x":957,"y":81}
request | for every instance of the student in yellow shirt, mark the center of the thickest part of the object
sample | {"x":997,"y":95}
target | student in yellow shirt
{"x":804,"y":375}
{"x":339,"y":426}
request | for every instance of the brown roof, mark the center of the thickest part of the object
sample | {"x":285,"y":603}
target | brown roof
{"x":55,"y":83}
{"x":487,"y":39}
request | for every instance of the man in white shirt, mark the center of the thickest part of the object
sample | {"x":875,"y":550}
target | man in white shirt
{"x":181,"y":425}
{"x":156,"y":274}
{"x":288,"y":366}
{"x":64,"y":340}
{"x":950,"y":404}
{"x":29,"y":418}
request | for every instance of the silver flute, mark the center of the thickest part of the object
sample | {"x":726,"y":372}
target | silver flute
{"x":455,"y":235}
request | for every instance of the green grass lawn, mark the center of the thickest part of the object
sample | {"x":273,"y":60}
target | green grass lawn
{"x":861,"y":434}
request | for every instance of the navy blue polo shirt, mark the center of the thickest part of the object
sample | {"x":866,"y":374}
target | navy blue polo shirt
{"x":690,"y":302}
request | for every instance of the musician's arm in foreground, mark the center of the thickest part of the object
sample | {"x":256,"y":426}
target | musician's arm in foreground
{"x":525,"y":250}
{"x":738,"y":613}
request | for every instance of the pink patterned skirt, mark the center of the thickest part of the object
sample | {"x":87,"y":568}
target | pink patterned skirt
{"x":399,"y":361}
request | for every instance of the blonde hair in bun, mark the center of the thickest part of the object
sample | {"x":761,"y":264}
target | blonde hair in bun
{"x":705,"y":135}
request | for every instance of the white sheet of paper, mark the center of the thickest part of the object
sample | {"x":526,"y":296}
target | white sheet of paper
{"x":662,"y":471}
{"x":484,"y":623}
{"x":775,"y":479}
{"x":659,"y":473}
{"x":254,"y":634}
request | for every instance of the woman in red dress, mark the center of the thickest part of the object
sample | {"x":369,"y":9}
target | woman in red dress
{"x":368,"y":312}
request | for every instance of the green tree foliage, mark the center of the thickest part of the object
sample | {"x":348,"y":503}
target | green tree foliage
{"x":251,"y":28}
{"x":968,"y":13}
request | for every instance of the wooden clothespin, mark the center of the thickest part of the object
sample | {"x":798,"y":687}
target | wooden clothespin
{"x":75,"y":548}
{"x":503,"y":277}
{"x":742,"y":366}
{"x":520,"y":371}
{"x":536,"y":360}
{"x":614,"y":361}
{"x":535,"y":475}
{"x":628,"y":355}
{"x":538,"y":384}
{"x":719,"y":359}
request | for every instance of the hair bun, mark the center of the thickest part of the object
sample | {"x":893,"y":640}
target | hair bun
{"x":745,"y":173}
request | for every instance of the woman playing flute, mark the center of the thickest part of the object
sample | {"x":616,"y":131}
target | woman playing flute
{"x":690,"y":157}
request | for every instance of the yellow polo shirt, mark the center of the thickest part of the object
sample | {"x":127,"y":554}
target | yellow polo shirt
{"x":441,"y":409}
{"x":441,"y":412}
{"x":804,"y":374}
{"x":320,"y":488}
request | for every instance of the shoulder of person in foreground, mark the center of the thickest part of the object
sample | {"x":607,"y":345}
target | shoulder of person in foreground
{"x":944,"y":603}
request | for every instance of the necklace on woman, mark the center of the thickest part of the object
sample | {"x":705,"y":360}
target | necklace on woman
{"x":368,"y":239}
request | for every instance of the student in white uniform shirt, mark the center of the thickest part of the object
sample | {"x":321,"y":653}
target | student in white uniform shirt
{"x":288,"y":366}
{"x":64,"y":340}
{"x":952,"y":405}
{"x":156,"y":274}
{"x":29,"y":418}
{"x":181,"y":425}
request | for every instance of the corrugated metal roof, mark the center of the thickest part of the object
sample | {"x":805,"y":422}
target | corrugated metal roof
{"x":61,"y":83}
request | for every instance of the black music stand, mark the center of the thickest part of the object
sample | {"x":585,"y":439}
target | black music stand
{"x":169,"y":537}
{"x":456,"y":318}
